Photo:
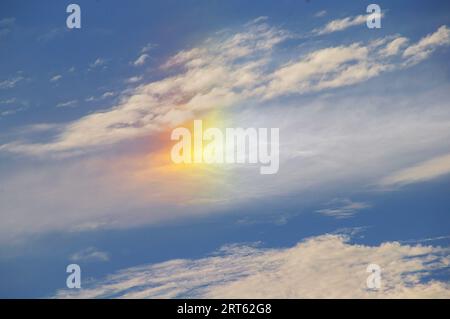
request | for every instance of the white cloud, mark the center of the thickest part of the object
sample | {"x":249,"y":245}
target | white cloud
{"x":423,"y":171}
{"x":185,"y":56}
{"x":148,"y":47}
{"x":41,"y":127}
{"x":101,"y":97}
{"x":424,"y":240}
{"x":257,"y":20}
{"x":393,"y":47}
{"x":320,"y":14}
{"x":108,"y":94}
{"x":321,"y":267}
{"x":421,"y":50}
{"x":67,"y":103}
{"x":343,"y":208}
{"x":17,"y":106}
{"x":342,"y":24}
{"x":90,"y":254}
{"x":320,"y":69}
{"x":56,"y":78}
{"x":8,"y":112}
{"x":97,"y":63}
{"x":9,"y":101}
{"x":141,"y":60}
{"x":133,"y":79}
{"x":10,"y":83}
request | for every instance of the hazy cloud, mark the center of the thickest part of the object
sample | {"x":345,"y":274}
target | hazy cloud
{"x":90,"y":254}
{"x":320,"y":14}
{"x":343,"y":208}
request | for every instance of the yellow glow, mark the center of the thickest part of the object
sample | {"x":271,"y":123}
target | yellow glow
{"x":179,"y":183}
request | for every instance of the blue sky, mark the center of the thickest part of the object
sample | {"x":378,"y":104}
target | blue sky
{"x":364,"y":158}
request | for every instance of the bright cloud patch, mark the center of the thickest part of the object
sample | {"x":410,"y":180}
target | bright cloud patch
{"x":321,"y":267}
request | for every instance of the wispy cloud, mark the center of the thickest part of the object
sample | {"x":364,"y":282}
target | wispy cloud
{"x":342,"y":24}
{"x":9,"y":101}
{"x":133,"y":79}
{"x":6,"y":24}
{"x":394,"y":46}
{"x":14,"y":105}
{"x":56,"y":78}
{"x":320,"y":14}
{"x":8,"y":112}
{"x":343,"y":208}
{"x":70,"y":103}
{"x":326,"y":266}
{"x":99,"y":62}
{"x":421,"y":172}
{"x":143,"y":54}
{"x":422,"y":49}
{"x":90,"y":254}
{"x":10,"y":83}
{"x":104,"y":96}
{"x":148,"y":47}
{"x":52,"y":34}
{"x":141,"y":60}
{"x":108,"y":94}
